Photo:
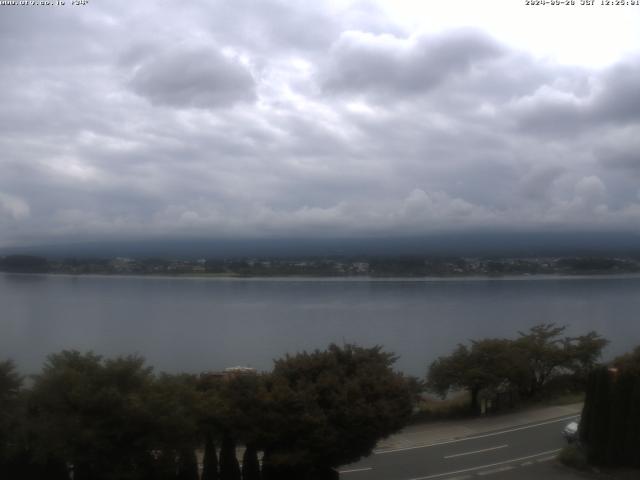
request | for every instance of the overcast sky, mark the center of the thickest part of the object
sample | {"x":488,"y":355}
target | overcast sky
{"x":124,"y":119}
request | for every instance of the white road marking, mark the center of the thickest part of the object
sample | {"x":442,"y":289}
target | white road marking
{"x":353,"y":470}
{"x":436,"y":475}
{"x":485,"y":435}
{"x":496,"y":470}
{"x":546,"y":459}
{"x":476,"y":451}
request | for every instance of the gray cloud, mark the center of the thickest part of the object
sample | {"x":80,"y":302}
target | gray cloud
{"x":619,"y":98}
{"x":365,"y":61}
{"x":193,"y":77}
{"x":576,"y":102}
{"x":278,"y":118}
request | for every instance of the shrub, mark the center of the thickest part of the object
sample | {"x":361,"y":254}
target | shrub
{"x":573,"y":456}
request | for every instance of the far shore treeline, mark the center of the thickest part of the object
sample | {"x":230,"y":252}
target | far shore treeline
{"x":327,"y":266}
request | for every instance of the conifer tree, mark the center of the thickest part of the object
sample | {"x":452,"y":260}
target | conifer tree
{"x":632,"y":437}
{"x":210,"y":460}
{"x":621,"y":390}
{"x":250,"y":464}
{"x":187,"y":465}
{"x":229,"y":467}
{"x":600,"y":421}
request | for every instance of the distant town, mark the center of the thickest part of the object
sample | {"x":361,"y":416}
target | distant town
{"x":383,"y":266}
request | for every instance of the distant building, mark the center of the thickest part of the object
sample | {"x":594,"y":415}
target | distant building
{"x":227,"y":373}
{"x":240,"y":371}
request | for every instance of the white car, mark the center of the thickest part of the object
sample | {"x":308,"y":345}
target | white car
{"x":570,"y":431}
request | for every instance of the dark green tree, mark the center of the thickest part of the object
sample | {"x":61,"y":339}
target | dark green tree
{"x":549,"y":354}
{"x":545,"y":352}
{"x":488,"y":364}
{"x":92,"y":413}
{"x":629,"y":361}
{"x":210,"y":459}
{"x":232,"y":406}
{"x":594,"y":423}
{"x":610,"y":421}
{"x":250,"y":464}
{"x":229,"y":466}
{"x":239,"y":405}
{"x":187,"y":465}
{"x":173,"y":403}
{"x":11,"y":421}
{"x":621,"y":395}
{"x":526,"y":364}
{"x":329,"y":408}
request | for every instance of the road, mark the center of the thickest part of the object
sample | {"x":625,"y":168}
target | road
{"x":478,"y":456}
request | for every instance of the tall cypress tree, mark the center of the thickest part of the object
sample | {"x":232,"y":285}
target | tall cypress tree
{"x":268,"y":472}
{"x":229,"y":467}
{"x":602,"y":413}
{"x":187,"y":465}
{"x":589,"y":415}
{"x":210,"y":460}
{"x":250,"y":464}
{"x":165,"y":467}
{"x":610,"y":425}
{"x":621,"y":392}
{"x":632,"y":437}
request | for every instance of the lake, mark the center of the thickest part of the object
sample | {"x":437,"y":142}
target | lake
{"x":196,"y":324}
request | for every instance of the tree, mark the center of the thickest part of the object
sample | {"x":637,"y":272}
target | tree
{"x":232,"y":407}
{"x":174,"y":403}
{"x":93,"y":414}
{"x":250,"y":464}
{"x":329,"y":408}
{"x":187,"y":465}
{"x":545,"y":352}
{"x":594,"y":420}
{"x":584,"y":352}
{"x":525,"y":364}
{"x":487,"y":365}
{"x":229,"y":466}
{"x":610,"y":423}
{"x":629,"y":361}
{"x":210,"y":459}
{"x":548,"y":354}
{"x":10,"y":384}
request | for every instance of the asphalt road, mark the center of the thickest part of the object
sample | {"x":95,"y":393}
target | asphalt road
{"x":479,"y":456}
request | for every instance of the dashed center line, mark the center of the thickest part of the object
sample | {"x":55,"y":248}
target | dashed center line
{"x":546,"y":459}
{"x":482,"y":467}
{"x":353,"y":470}
{"x":476,"y":451}
{"x":496,"y":470}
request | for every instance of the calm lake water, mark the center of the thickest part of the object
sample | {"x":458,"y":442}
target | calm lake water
{"x":185,"y":324}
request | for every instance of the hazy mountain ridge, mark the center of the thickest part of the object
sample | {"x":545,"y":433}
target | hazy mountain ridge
{"x":522,"y":244}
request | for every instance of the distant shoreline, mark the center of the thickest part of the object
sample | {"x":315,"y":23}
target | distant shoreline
{"x":336,"y":278}
{"x":364,"y":268}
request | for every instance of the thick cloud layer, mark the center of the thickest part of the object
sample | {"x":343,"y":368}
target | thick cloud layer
{"x":193,"y":77}
{"x":271,"y":118}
